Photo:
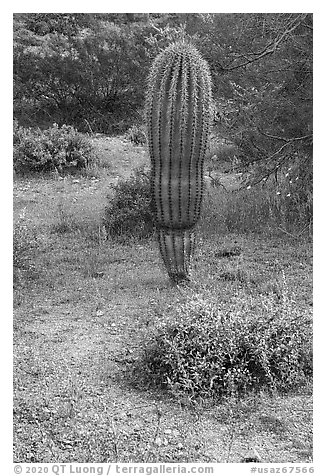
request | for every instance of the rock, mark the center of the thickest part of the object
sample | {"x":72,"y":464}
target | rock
{"x":252,"y":457}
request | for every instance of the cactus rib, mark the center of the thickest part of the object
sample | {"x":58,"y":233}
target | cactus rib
{"x":178,"y":118}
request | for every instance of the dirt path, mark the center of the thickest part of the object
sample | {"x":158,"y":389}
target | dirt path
{"x":78,"y":330}
{"x":71,"y":362}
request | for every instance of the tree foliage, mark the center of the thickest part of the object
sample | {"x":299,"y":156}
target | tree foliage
{"x":89,"y":70}
{"x":89,"y":76}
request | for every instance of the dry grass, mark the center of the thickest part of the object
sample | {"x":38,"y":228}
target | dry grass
{"x":79,"y":325}
{"x":227,"y":208}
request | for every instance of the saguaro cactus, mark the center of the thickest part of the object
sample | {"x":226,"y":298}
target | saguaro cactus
{"x":178,"y":120}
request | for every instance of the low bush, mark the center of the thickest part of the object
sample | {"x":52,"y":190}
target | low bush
{"x":137,"y":135}
{"x":129,"y":213}
{"x":201,"y":350}
{"x":228,"y":252}
{"x":62,"y":148}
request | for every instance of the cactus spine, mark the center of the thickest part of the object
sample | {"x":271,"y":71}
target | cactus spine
{"x":178,"y":119}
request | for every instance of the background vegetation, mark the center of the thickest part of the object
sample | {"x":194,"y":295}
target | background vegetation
{"x":89,"y":70}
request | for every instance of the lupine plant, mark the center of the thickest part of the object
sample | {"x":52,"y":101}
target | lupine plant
{"x":178,"y":110}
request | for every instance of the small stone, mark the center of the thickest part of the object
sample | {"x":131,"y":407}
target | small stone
{"x":252,"y":457}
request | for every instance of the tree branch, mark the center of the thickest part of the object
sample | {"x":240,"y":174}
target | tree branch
{"x":272,"y":46}
{"x":284,"y":139}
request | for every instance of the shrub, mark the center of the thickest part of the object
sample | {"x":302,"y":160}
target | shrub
{"x":129,"y":212}
{"x":137,"y":135}
{"x":202,"y":350}
{"x":63,"y":148}
{"x":228,"y":252}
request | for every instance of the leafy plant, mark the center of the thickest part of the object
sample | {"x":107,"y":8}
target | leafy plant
{"x":62,"y":148}
{"x":80,"y":69}
{"x":203,"y":350}
{"x":228,"y":252}
{"x":129,"y":212}
{"x":137,"y":135}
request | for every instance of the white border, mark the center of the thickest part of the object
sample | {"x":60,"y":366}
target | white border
{"x":319,"y":184}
